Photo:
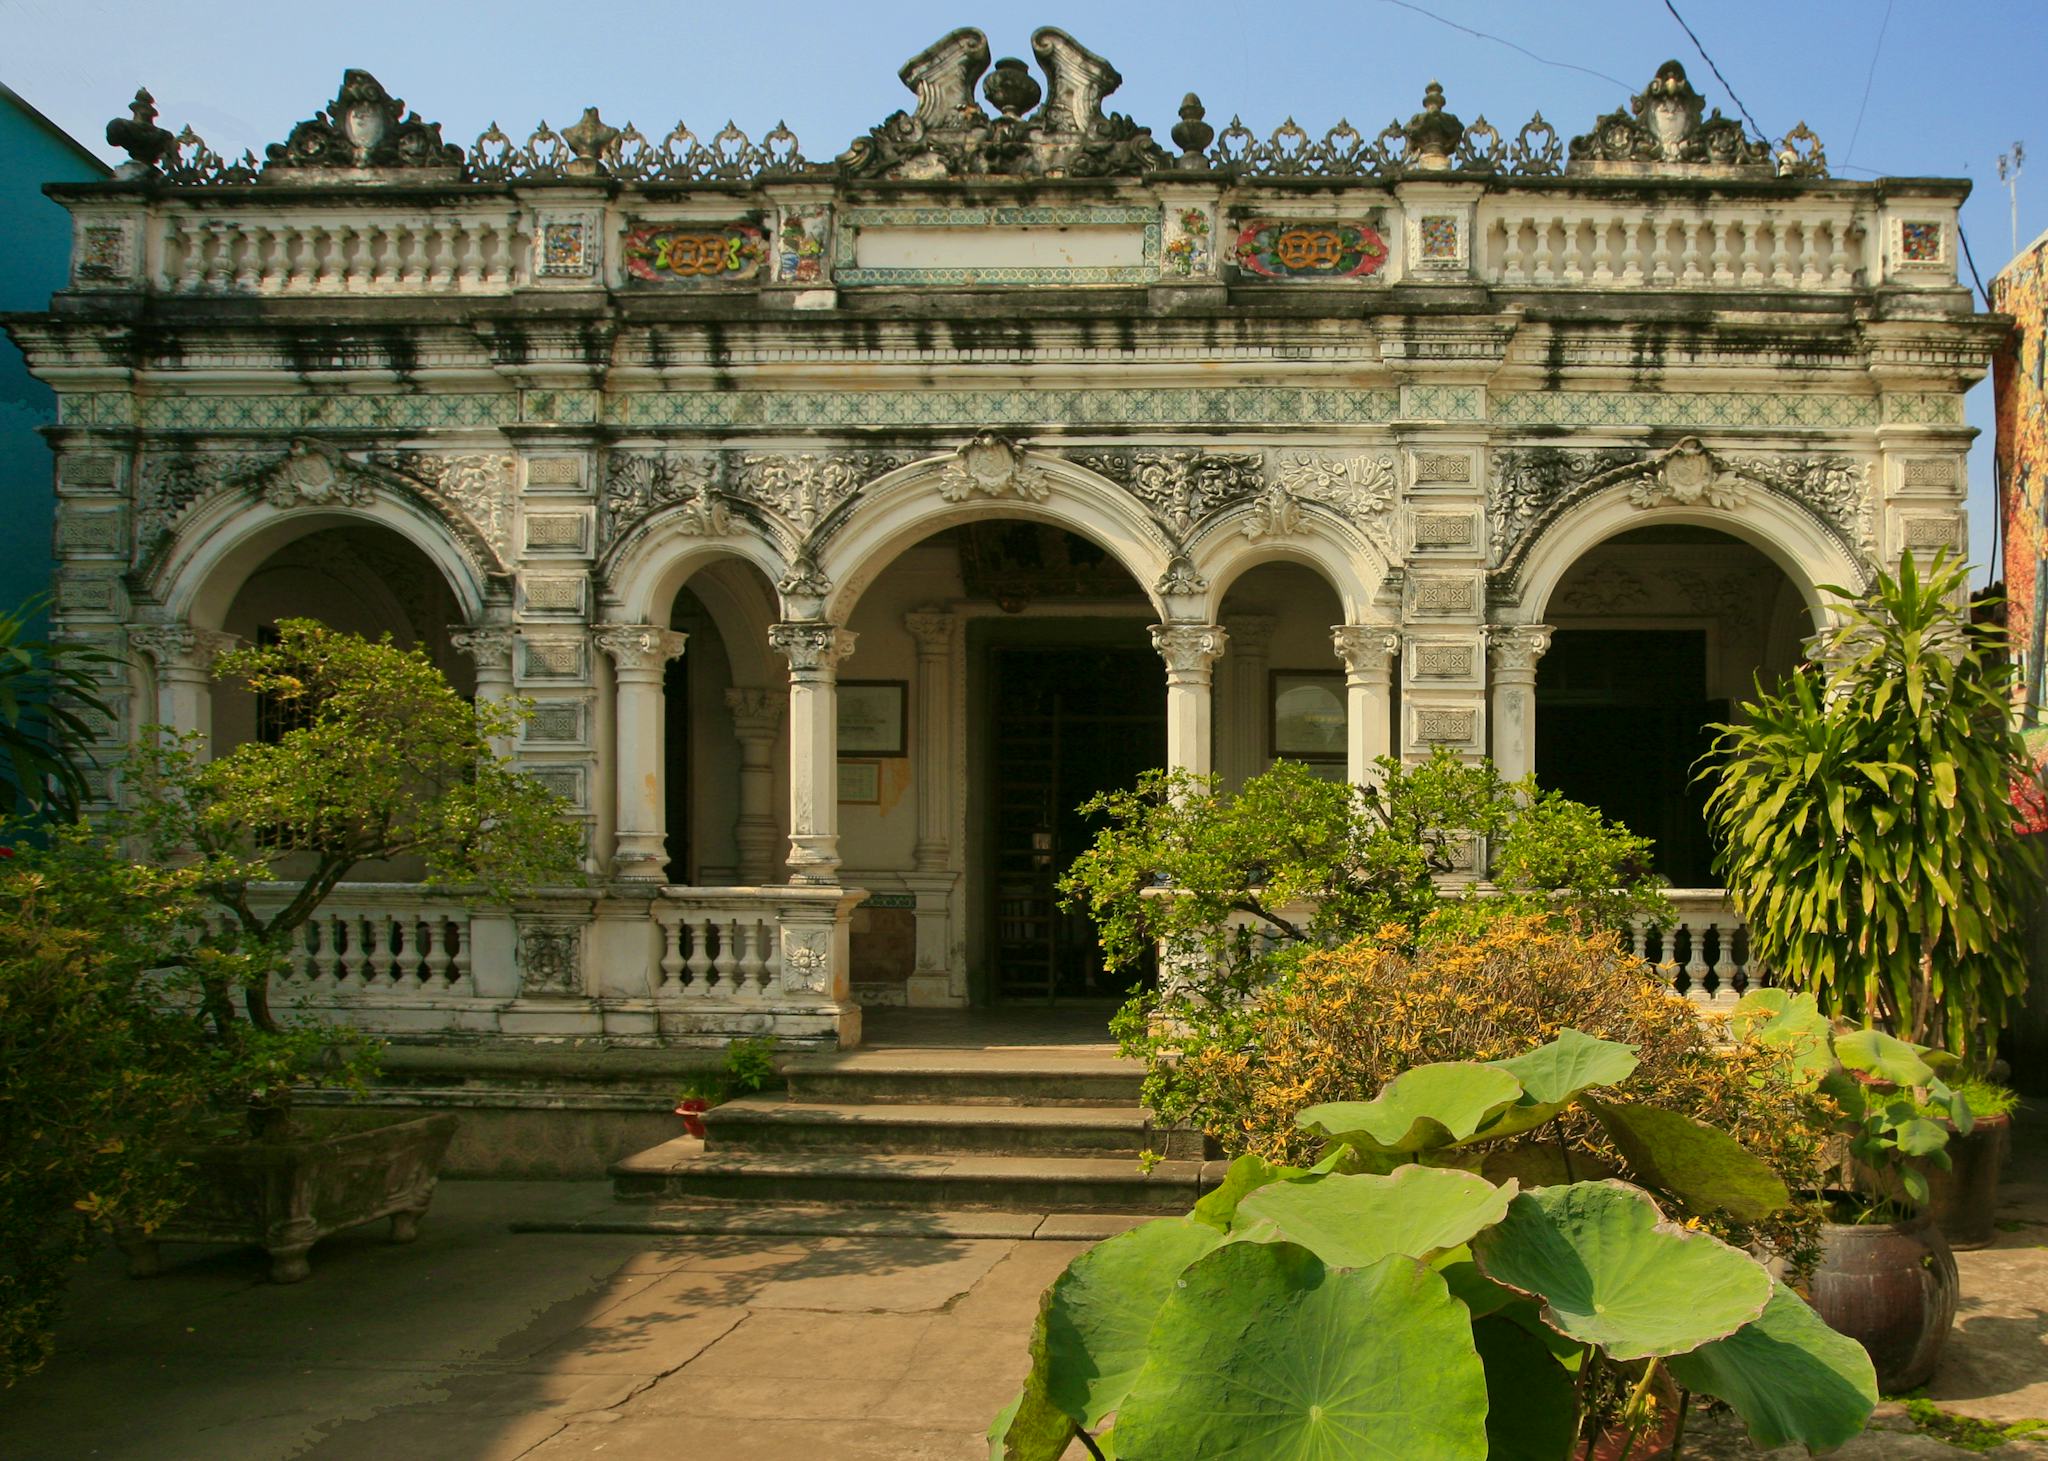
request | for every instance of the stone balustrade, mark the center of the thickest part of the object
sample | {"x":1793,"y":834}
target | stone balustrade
{"x":1536,"y":240}
{"x":382,"y":939}
{"x":1705,"y":954}
{"x":358,"y":250}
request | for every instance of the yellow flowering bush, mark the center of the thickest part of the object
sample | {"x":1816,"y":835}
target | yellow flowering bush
{"x":1340,"y":1024}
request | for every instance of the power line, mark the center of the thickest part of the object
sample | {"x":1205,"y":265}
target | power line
{"x":1503,"y":41}
{"x":1715,"y":69}
{"x":1870,"y":76}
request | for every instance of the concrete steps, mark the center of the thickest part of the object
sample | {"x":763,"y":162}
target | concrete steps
{"x":934,"y":1181}
{"x":1043,"y":1131}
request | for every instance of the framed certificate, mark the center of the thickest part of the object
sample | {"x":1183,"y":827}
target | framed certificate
{"x":871,"y":715}
{"x":860,"y":783}
{"x":1308,"y":715}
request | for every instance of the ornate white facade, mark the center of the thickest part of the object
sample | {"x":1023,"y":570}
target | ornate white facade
{"x":622,"y":426}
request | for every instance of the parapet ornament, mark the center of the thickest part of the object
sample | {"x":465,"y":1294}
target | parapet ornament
{"x":948,"y":134}
{"x":1664,"y":125}
{"x":363,"y":128}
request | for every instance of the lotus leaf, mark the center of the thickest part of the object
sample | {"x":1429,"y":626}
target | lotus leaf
{"x":1031,"y":1427}
{"x":1541,"y":1164}
{"x":1478,"y":1293}
{"x":1791,"y":1021}
{"x":1420,"y":1110}
{"x":1553,"y":1075}
{"x":1262,"y":1353}
{"x":1247,"y":1175}
{"x":1349,"y":1222}
{"x":1532,"y":1410}
{"x":1701,"y":1165}
{"x":1789,"y":1376}
{"x":1610,"y":1271}
{"x":1098,"y":1312}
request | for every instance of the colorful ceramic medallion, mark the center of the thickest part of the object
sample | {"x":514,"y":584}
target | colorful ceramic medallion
{"x":692,"y":253}
{"x":1276,"y":248}
{"x":1920,"y":243}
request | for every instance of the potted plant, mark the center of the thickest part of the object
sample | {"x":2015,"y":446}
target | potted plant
{"x":1886,"y":1277}
{"x":1867,"y":830}
{"x":1444,"y":1282}
{"x":379,"y":759}
{"x":748,"y":1067}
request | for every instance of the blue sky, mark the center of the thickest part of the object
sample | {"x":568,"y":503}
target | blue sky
{"x":1948,"y":86}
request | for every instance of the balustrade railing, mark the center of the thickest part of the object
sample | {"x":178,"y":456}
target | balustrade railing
{"x":393,"y":940}
{"x":719,"y":944}
{"x":355,"y":252}
{"x":1705,"y":954}
{"x":1523,"y":241}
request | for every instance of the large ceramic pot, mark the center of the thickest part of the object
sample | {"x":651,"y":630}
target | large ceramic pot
{"x":1964,"y":1199}
{"x":1892,"y":1288}
{"x":344,"y":1169}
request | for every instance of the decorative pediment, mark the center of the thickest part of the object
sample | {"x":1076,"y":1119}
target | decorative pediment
{"x":1663,"y":124}
{"x":364,"y":128}
{"x":949,"y":135}
{"x":992,"y":466}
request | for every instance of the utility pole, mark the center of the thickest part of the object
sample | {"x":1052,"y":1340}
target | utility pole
{"x":2011,"y":179}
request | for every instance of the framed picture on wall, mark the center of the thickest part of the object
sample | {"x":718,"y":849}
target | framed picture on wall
{"x":860,"y":783}
{"x":871,"y":715}
{"x":1308,"y":715}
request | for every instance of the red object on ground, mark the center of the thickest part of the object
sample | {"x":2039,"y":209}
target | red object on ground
{"x":692,"y":1111}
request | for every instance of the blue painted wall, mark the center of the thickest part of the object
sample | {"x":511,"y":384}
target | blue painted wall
{"x":35,"y":256}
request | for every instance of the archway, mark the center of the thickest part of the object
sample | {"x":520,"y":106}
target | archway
{"x":1659,"y":633}
{"x":1004,"y":673}
{"x":1280,"y":686}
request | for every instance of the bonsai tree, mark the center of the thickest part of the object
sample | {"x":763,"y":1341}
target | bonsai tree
{"x":1866,"y":821}
{"x":380,"y":758}
{"x":1445,"y":1282}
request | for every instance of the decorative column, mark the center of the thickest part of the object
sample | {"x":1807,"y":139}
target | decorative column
{"x":639,"y":654}
{"x":184,"y":658}
{"x":1190,"y":652}
{"x":814,"y":651}
{"x":1512,"y":651}
{"x":1368,"y":652}
{"x":1251,"y":635}
{"x":932,"y":736}
{"x":491,"y":648}
{"x":756,"y":716}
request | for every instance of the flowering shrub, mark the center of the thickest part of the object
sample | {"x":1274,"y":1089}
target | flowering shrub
{"x":1344,"y":1021}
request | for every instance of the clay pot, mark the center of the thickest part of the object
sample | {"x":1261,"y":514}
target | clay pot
{"x":1964,"y":1199}
{"x":692,"y":1111}
{"x":1892,"y":1288}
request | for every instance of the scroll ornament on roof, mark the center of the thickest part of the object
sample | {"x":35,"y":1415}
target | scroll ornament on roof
{"x":1663,"y":124}
{"x":363,"y":128}
{"x":949,"y":135}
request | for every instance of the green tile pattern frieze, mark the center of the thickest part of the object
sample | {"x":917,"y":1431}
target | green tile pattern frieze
{"x":1733,"y":410}
{"x":1143,"y":406}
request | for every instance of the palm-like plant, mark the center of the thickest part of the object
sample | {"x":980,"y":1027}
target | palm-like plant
{"x":1865,"y":816}
{"x":47,"y":691}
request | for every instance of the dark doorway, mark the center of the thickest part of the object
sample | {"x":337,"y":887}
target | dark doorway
{"x":1065,"y":723}
{"x":1621,"y":718}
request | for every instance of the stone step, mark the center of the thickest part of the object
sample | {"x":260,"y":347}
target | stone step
{"x":1088,"y":1076}
{"x":682,"y":1169}
{"x":706,"y":1218}
{"x":772,"y":1124}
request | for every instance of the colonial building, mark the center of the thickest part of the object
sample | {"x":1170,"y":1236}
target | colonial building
{"x":848,"y":523}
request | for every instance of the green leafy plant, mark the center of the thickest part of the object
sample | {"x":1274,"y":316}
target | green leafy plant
{"x":1884,"y":1096}
{"x":48,"y":693}
{"x":382,"y":759}
{"x":1866,"y":823}
{"x":1409,"y":1288}
{"x":105,"y":1062}
{"x":1966,"y":1432}
{"x":750,"y":1064}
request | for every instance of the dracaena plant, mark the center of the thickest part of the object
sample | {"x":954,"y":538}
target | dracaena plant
{"x":1866,"y":821}
{"x":1441,"y":1283}
{"x":1885,"y":1097}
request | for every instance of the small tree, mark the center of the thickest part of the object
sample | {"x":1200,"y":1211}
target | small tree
{"x":46,"y":692}
{"x":1233,"y":889}
{"x":382,"y":759}
{"x":1866,"y":819}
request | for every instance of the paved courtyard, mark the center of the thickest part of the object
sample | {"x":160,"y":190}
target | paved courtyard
{"x":482,"y":1344}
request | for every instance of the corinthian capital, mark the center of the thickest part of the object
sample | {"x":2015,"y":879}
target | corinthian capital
{"x":1516,"y":647}
{"x":639,"y":646}
{"x":811,"y":648}
{"x":491,"y":648}
{"x":1366,"y":649}
{"x":1189,"y":649}
{"x":180,"y":646}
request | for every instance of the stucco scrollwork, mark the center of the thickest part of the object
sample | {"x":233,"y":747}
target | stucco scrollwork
{"x":639,"y":646}
{"x":312,"y":476}
{"x":1689,"y":474}
{"x":550,"y":959}
{"x":992,"y":466}
{"x":803,"y":488}
{"x":1181,"y":578}
{"x":477,"y":483}
{"x":637,"y":484}
{"x":1528,"y":482}
{"x":1358,"y":486}
{"x":1515,"y":648}
{"x":1181,"y":487}
{"x":811,"y":649}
